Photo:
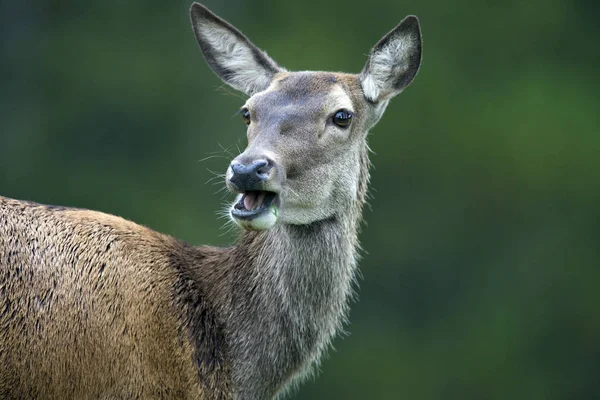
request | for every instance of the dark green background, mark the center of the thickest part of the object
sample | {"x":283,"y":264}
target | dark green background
{"x":481,"y":265}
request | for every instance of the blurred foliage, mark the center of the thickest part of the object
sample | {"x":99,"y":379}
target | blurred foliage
{"x":482,"y":245}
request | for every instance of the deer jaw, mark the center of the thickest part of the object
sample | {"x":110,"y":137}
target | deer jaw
{"x":313,"y":163}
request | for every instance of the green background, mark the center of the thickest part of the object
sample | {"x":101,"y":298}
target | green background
{"x":481,"y":265}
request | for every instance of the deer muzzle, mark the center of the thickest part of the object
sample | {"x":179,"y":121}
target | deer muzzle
{"x":256,"y":206}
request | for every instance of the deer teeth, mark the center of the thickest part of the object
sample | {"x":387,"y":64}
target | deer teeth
{"x":255,"y":200}
{"x":260,"y":200}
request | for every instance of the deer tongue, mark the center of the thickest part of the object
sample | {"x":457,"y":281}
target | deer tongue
{"x":253,"y":200}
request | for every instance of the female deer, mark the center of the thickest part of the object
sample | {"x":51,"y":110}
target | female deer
{"x":94,"y":306}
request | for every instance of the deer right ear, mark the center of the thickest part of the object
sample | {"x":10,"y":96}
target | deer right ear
{"x":393,"y":62}
{"x":234,"y":58}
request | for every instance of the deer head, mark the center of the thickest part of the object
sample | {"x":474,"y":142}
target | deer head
{"x":306,"y":130}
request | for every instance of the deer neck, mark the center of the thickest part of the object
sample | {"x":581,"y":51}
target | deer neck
{"x":290,"y":287}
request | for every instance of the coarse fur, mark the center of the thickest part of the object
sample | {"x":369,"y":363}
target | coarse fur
{"x":96,"y":307}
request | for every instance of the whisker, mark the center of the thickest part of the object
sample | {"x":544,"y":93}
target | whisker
{"x":223,"y":192}
{"x":226,"y":90}
{"x":212,"y":156}
{"x":216,"y":175}
{"x":229,"y":225}
{"x":226,"y":150}
{"x":213,"y":181}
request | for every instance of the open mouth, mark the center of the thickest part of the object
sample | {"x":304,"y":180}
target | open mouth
{"x":254,"y":203}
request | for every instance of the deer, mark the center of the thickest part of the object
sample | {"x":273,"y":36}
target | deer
{"x":93,"y":306}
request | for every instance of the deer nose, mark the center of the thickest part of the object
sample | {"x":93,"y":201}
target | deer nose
{"x":250,"y":176}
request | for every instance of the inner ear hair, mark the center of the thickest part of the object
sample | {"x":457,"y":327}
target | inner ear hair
{"x":230,"y":54}
{"x":393,"y":62}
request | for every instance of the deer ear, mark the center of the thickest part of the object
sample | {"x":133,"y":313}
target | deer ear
{"x":393,"y":62}
{"x":234,"y":58}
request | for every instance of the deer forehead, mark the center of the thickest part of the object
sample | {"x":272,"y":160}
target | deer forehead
{"x":305,"y":94}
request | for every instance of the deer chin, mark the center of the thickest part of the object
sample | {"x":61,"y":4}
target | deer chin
{"x":255,"y":210}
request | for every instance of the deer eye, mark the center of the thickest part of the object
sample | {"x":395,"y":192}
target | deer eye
{"x":246,"y":115}
{"x":342,"y":118}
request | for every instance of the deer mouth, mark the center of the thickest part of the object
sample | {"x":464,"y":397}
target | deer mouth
{"x":254,"y":203}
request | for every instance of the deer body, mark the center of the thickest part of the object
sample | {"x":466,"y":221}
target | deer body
{"x":94,"y":306}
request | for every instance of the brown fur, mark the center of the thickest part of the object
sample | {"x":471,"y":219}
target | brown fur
{"x":82,"y":295}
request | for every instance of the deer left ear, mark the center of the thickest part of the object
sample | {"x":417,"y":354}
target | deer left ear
{"x":230,"y":54}
{"x":393,"y":62}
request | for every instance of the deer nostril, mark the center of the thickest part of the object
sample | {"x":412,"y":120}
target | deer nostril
{"x":265,"y":167}
{"x":248,"y":177}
